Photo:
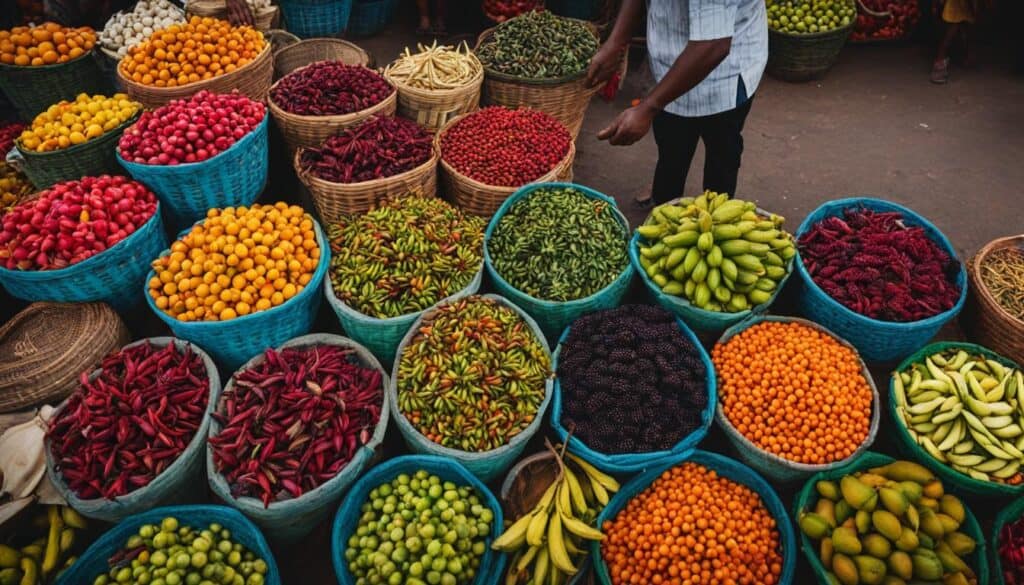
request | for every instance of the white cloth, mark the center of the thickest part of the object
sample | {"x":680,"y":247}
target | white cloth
{"x":672,"y":23}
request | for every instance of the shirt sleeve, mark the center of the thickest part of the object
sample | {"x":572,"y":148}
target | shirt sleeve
{"x":712,"y":19}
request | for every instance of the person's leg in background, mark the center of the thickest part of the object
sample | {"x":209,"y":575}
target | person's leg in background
{"x":440,"y":16}
{"x":676,"y":137}
{"x":424,"y":8}
{"x":723,"y":144}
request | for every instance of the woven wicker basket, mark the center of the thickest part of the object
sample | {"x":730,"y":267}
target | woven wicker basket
{"x":32,"y":89}
{"x":991,"y":325}
{"x":279,"y":39}
{"x":566,"y":98}
{"x":332,"y":200}
{"x":479,"y":199}
{"x":432,"y":109}
{"x":306,"y":131}
{"x":44,"y":349}
{"x":800,"y":57}
{"x":264,"y":19}
{"x":302,"y":53}
{"x":252,"y":79}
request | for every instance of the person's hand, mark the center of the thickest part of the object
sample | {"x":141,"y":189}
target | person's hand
{"x":239,"y":13}
{"x":629,"y":126}
{"x":604,"y":64}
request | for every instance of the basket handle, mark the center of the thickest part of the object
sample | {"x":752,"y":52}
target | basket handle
{"x":866,"y":10}
{"x":16,"y":159}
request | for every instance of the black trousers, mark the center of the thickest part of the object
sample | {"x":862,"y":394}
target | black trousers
{"x":677,"y":138}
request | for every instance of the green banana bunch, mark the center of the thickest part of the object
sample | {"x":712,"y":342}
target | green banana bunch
{"x":547,"y":544}
{"x":45,"y":558}
{"x":716,"y":252}
{"x":965,"y":411}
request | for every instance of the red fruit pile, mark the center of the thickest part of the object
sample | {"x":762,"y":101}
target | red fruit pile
{"x":502,"y":10}
{"x":379,"y":147}
{"x":8,"y":132}
{"x":891,"y":19}
{"x":505,"y":148}
{"x":73,"y":221}
{"x":329,"y":88}
{"x":191,"y":130}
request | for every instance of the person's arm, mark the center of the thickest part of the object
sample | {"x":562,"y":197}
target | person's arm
{"x":606,"y":61}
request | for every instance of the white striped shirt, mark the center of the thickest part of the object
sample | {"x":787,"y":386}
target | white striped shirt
{"x":672,"y":23}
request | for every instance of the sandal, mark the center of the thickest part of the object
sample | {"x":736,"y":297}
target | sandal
{"x":940,"y":71}
{"x":646,"y":203}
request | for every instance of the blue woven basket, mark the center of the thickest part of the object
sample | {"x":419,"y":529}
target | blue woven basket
{"x":369,"y":17}
{"x":728,"y":468}
{"x":316,"y":18}
{"x":93,"y":561}
{"x":634,"y":462}
{"x":112,"y":276}
{"x":492,"y":564}
{"x":233,"y":342}
{"x":877,"y":341}
{"x":808,"y":497}
{"x":486,"y":465}
{"x":554,"y":316}
{"x":382,"y":336}
{"x":235,"y":176}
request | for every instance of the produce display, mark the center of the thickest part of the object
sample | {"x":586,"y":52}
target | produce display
{"x":238,"y":261}
{"x":174,"y":553}
{"x":876,"y":265}
{"x":1010,"y":548}
{"x":717,"y":253}
{"x":435,"y":67}
{"x":890,"y":524}
{"x":966,"y":411}
{"x":330,"y":88}
{"x":321,"y":407}
{"x":504,"y":147}
{"x":119,"y":431}
{"x":549,"y":544}
{"x":378,"y":148}
{"x":559,"y":227}
{"x":502,"y":10}
{"x":419,"y":528}
{"x":794,"y":391}
{"x":631,"y":381}
{"x":538,"y":45}
{"x":404,"y":256}
{"x":473,"y":376}
{"x":202,"y":48}
{"x":14,"y":185}
{"x":69,"y":123}
{"x":809,"y":16}
{"x":44,"y":546}
{"x":45,"y":44}
{"x":128,"y":28}
{"x":73,"y":221}
{"x":693,"y":525}
{"x":1002,"y":274}
{"x":191,"y":130}
{"x":885,"y":19}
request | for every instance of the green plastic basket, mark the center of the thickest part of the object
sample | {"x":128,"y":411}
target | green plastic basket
{"x":808,"y":496}
{"x":32,"y":89}
{"x":1008,"y":514}
{"x":906,"y":444}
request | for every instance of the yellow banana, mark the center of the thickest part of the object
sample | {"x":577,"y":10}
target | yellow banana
{"x":514,"y":536}
{"x":53,"y":541}
{"x":556,"y":546}
{"x":579,"y":499}
{"x":604,"y":479}
{"x":581,"y":528}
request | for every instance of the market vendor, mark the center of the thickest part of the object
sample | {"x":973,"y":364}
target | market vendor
{"x":707,"y":57}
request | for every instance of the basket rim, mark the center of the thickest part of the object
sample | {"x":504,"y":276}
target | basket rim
{"x":252,"y":65}
{"x":942,"y":241}
{"x":328,"y":118}
{"x":321,"y":40}
{"x":475,"y":82}
{"x":904,"y":433}
{"x":876,"y":400}
{"x":89,"y":142}
{"x":506,"y":78}
{"x":51,"y":66}
{"x":306,"y":175}
{"x":126,"y":163}
{"x":974,"y":266}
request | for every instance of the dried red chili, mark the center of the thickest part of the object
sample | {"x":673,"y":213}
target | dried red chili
{"x":328,"y":88}
{"x":876,"y":265}
{"x":507,"y":148}
{"x":1011,"y":552}
{"x":124,"y":428}
{"x":294,"y":421}
{"x":379,"y":147}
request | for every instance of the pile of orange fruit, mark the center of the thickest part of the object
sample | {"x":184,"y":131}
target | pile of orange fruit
{"x":46,"y":44}
{"x":199,"y":49}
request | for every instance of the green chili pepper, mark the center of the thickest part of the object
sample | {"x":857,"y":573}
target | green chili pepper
{"x":539,"y":45}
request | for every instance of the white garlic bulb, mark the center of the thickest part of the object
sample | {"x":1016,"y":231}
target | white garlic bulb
{"x":126,"y":29}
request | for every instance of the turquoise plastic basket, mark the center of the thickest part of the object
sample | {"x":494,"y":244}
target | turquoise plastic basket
{"x":369,"y":17}
{"x":382,"y":336}
{"x":877,"y":341}
{"x":180,"y":483}
{"x":232,"y":343}
{"x":316,"y":18}
{"x":808,"y":496}
{"x":94,"y":561}
{"x":1007,"y":515}
{"x":728,"y":468}
{"x":236,"y":176}
{"x":112,"y":276}
{"x":486,"y":465}
{"x":627,"y":463}
{"x":906,"y":444}
{"x":554,"y":316}
{"x":493,"y":563}
{"x":777,"y":468}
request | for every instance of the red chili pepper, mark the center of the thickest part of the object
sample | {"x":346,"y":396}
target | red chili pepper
{"x":328,"y":88}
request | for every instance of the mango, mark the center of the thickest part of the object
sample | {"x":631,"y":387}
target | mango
{"x":927,"y":566}
{"x":905,"y":471}
{"x":877,"y":546}
{"x":890,"y":580}
{"x":826,"y":509}
{"x":856,"y":493}
{"x":826,"y":551}
{"x":862,"y":521}
{"x":873,"y":479}
{"x":951,"y":506}
{"x":913,"y":518}
{"x":887,"y":524}
{"x":843,"y":511}
{"x":931,"y":525}
{"x":845,"y":541}
{"x":814,"y":526}
{"x":934,"y":490}
{"x":960,"y":543}
{"x":911,"y":490}
{"x":893,"y":500}
{"x":870,"y":570}
{"x":828,"y":489}
{"x":901,"y":565}
{"x":948,"y":523}
{"x":949,"y":559}
{"x":908,"y":540}
{"x":845,"y":570}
